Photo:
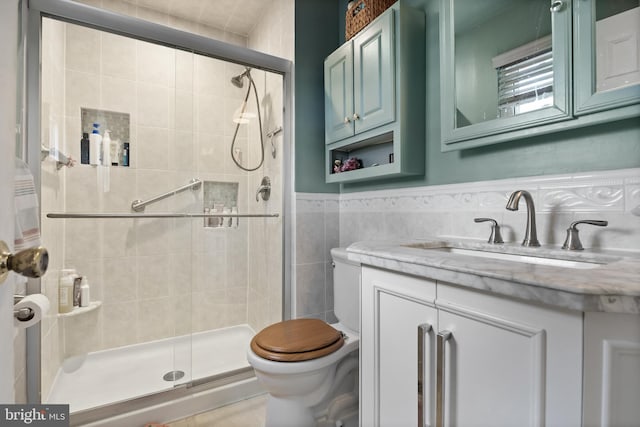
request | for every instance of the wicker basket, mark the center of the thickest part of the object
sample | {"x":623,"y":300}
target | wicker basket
{"x":362,"y":13}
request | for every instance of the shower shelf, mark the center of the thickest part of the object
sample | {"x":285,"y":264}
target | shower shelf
{"x":81,"y":310}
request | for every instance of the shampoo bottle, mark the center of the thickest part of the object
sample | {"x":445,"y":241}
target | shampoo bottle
{"x":95,"y":145}
{"x":115,"y":152}
{"x":84,"y":149}
{"x":125,"y":154}
{"x":65,"y":291}
{"x":85,"y":298}
{"x":106,"y":149}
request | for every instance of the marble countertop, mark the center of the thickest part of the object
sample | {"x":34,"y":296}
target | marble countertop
{"x":611,"y":283}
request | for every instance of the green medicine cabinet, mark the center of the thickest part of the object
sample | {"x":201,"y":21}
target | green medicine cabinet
{"x":517,"y":68}
{"x":374,"y":87}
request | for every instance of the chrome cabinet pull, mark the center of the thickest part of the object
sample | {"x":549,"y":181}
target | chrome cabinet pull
{"x":356,"y":116}
{"x":556,"y":6}
{"x":423,"y":330}
{"x":347,"y":120}
{"x":443,"y":336}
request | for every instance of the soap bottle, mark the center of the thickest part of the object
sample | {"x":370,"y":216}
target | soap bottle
{"x":77,"y":281}
{"x":84,"y":149}
{"x":95,"y":146}
{"x":106,"y":149}
{"x":85,"y":298}
{"x":125,"y":154}
{"x":115,"y":152}
{"x":65,"y":291}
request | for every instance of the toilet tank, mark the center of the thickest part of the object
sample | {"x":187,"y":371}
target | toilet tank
{"x":346,"y":289}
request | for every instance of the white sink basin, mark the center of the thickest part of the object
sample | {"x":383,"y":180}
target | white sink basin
{"x":540,"y":260}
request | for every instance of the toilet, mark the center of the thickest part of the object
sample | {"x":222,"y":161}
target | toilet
{"x":308,"y":367}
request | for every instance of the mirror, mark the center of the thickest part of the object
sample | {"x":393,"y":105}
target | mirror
{"x":616,"y":44}
{"x":503,"y":59}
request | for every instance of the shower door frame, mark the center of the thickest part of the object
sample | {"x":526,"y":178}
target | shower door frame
{"x":103,"y":20}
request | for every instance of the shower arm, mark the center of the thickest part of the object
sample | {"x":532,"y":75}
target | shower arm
{"x":139,"y":205}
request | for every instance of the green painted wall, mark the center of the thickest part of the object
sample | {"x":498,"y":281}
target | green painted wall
{"x":316,"y":36}
{"x":603,"y":147}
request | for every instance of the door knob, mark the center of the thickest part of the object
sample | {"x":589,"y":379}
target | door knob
{"x":32,"y":262}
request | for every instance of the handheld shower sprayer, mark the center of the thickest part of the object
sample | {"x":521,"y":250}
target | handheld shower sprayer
{"x":238,"y":81}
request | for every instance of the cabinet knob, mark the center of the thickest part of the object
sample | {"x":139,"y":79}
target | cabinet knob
{"x":356,"y":116}
{"x":347,"y":120}
{"x":556,"y":6}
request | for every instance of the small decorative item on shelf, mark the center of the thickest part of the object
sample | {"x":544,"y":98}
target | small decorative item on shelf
{"x":350,"y":164}
{"x":361,"y":12}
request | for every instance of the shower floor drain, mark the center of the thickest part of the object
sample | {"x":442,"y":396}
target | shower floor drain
{"x":173,"y":375}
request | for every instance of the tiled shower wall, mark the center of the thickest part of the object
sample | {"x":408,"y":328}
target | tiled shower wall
{"x":449,"y":210}
{"x":156,"y":278}
{"x":274,"y":33}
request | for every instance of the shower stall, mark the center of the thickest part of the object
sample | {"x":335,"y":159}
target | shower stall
{"x":182,"y":242}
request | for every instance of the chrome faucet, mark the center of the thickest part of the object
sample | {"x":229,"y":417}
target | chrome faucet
{"x":530,"y":236}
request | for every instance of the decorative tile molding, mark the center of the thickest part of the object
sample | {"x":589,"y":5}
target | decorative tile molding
{"x":317,"y":202}
{"x":608,"y":191}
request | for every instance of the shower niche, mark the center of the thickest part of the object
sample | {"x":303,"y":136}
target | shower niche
{"x":117,"y":124}
{"x":220,"y":198}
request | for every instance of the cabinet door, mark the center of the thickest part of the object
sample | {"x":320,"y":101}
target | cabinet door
{"x":611,"y":370}
{"x":396,"y":382}
{"x":508,"y":363}
{"x":494,"y":371}
{"x":338,"y":93}
{"x":607,"y":55}
{"x":374,"y":76}
{"x":505,"y":68}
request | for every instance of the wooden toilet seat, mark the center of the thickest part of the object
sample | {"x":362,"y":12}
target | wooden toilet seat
{"x":296,"y":340}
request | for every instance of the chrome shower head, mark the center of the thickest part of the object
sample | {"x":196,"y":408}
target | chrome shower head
{"x":237,"y":81}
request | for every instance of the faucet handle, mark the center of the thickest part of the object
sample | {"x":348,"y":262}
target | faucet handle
{"x":572,"y":242}
{"x":495,"y":237}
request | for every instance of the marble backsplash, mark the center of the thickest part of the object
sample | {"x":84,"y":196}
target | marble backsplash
{"x":327,"y":220}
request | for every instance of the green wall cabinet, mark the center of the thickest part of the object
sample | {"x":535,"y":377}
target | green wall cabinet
{"x":359,"y":80}
{"x":338,"y":83}
{"x":374,"y":98}
{"x":606,"y":37}
{"x":512,"y":70}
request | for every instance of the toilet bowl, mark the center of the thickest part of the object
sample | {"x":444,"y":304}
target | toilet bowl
{"x":310,"y":368}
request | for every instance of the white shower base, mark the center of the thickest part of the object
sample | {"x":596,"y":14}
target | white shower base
{"x":120,"y":374}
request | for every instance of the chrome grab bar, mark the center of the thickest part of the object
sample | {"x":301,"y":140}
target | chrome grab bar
{"x":155,"y":215}
{"x":139,"y":205}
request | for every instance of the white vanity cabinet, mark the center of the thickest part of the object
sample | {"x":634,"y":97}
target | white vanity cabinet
{"x":397,"y":312}
{"x":485,"y":360}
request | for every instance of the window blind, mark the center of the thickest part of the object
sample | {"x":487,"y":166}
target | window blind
{"x":525,"y":78}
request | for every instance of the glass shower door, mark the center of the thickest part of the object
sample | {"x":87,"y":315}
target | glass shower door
{"x":136,"y":333}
